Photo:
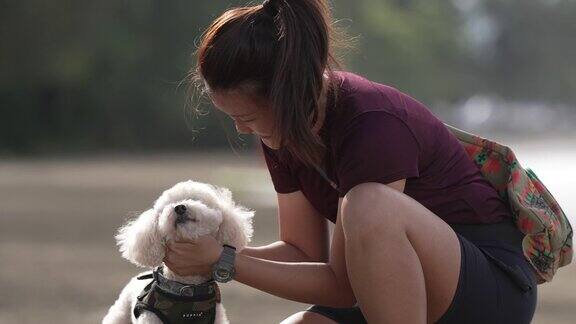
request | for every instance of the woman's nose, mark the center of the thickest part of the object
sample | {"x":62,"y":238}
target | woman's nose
{"x":242,"y":129}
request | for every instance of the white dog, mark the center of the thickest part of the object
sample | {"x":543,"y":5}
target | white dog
{"x":186,"y":211}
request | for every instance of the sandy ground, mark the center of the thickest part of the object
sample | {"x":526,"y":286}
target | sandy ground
{"x":59,"y":262}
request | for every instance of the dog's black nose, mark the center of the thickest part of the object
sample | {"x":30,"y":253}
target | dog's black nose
{"x":180,"y":209}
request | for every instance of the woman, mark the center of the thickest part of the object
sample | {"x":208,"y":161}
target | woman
{"x":419,"y":235}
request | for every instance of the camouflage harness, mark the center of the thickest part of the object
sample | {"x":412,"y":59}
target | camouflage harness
{"x":174,"y":302}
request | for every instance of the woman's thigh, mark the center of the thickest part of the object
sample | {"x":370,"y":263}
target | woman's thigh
{"x":377,"y":220}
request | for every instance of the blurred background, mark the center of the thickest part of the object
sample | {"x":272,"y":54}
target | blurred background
{"x":94,"y":125}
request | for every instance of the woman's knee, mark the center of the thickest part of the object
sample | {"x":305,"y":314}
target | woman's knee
{"x":371,"y":208}
{"x":306,"y":317}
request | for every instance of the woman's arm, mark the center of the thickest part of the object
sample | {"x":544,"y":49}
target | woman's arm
{"x":324,"y":283}
{"x":313,"y":283}
{"x":277,"y":251}
{"x":303,"y":233}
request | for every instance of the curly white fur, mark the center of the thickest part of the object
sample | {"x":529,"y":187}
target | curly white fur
{"x":210,"y":209}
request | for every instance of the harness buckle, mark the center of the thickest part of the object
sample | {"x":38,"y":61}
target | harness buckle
{"x":184,"y":288}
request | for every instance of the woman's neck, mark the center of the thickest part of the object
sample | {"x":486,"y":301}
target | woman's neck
{"x":322,"y":106}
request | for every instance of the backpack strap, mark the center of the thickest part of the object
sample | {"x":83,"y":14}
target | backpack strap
{"x":323,"y":174}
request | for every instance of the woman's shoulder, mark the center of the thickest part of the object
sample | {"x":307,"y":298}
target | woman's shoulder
{"x":368,"y":106}
{"x":357,"y":95}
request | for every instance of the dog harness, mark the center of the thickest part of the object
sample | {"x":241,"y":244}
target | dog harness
{"x":174,"y":302}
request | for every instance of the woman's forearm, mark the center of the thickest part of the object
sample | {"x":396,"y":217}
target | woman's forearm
{"x":306,"y":282}
{"x":277,"y":251}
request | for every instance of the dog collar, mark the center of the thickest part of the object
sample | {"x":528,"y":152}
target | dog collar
{"x":178,"y":288}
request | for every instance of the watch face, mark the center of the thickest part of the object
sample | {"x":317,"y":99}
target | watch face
{"x":222,"y":275}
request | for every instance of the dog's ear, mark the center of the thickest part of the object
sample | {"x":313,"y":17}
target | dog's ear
{"x":140,"y":241}
{"x":236,"y":227}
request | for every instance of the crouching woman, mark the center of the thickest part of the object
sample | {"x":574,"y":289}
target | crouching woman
{"x":419,"y":235}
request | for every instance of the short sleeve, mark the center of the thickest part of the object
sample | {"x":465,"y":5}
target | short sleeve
{"x":282,"y":178}
{"x":376,"y":146}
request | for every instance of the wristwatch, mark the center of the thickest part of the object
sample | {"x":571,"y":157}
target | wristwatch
{"x":223,"y":270}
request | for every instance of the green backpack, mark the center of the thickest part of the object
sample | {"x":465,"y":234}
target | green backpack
{"x":547,"y":242}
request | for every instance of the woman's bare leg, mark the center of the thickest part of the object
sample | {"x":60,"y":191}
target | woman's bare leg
{"x":403,"y":261}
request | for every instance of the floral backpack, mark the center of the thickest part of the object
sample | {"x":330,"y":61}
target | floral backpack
{"x":547,"y":242}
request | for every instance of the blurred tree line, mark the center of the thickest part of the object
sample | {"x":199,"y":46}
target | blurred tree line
{"x":86,"y":76}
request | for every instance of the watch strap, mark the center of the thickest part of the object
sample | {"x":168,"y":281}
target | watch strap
{"x":225,"y":264}
{"x":228,"y":256}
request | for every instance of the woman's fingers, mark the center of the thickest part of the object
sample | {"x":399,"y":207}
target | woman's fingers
{"x":184,"y":242}
{"x":187,"y":270}
{"x":168,"y":259}
{"x":189,"y":257}
{"x":181,"y":255}
{"x":182,"y":246}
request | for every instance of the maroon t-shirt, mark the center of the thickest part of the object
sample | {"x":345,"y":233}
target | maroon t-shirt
{"x":375,"y":133}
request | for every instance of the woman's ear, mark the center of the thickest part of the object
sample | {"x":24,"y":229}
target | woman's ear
{"x":236,"y":228}
{"x":140,"y":241}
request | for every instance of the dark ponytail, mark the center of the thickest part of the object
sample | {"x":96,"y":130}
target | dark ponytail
{"x":280,"y":50}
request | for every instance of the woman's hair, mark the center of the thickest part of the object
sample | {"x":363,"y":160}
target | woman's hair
{"x":279,"y":50}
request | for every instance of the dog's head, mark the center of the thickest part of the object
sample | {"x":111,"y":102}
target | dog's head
{"x":185,"y":211}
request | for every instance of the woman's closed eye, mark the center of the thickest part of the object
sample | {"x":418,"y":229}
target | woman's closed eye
{"x":246,"y":120}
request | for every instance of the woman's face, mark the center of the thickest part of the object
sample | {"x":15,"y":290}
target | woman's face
{"x":251,"y":114}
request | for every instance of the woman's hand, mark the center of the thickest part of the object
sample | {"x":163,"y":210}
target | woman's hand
{"x":193,"y":257}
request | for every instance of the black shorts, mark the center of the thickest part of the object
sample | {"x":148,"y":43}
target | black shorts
{"x":496,"y":283}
